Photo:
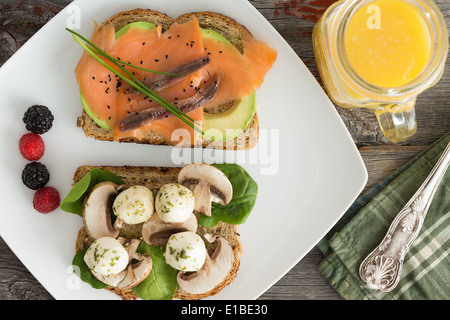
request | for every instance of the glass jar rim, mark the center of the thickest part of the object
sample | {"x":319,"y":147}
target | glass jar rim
{"x":431,"y":73}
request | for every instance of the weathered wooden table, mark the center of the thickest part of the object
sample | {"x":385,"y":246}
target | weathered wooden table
{"x":294,"y":20}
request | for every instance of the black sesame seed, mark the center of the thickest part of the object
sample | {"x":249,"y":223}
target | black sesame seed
{"x":156,"y":60}
{"x":220,"y":51}
{"x":142,"y":62}
{"x":167,"y":56}
{"x":143,"y":43}
{"x":109,"y":107}
{"x":93,"y":78}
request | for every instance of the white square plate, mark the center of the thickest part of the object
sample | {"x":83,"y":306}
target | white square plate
{"x":306,"y":164}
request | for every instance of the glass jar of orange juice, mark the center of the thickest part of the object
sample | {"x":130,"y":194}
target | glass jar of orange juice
{"x":380,"y":54}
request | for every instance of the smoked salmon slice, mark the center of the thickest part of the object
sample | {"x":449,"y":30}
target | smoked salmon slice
{"x":110,"y":100}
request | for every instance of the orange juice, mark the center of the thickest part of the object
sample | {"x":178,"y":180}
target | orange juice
{"x":380,"y":55}
{"x":387,"y":43}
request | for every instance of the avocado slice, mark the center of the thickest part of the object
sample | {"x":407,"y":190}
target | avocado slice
{"x":101,"y":123}
{"x":139,"y":24}
{"x":229,"y":124}
{"x":211,"y":34}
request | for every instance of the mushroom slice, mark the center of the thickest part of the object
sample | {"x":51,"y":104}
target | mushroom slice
{"x":134,"y":273}
{"x":131,"y":246}
{"x":208,"y":184}
{"x":96,"y":211}
{"x":213,"y":272}
{"x":113,"y":280}
{"x":156,"y":232}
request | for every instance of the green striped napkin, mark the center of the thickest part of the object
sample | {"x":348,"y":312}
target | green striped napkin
{"x":426,"y":270}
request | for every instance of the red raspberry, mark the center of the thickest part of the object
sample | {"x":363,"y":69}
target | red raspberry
{"x":31,"y":146}
{"x":46,"y":199}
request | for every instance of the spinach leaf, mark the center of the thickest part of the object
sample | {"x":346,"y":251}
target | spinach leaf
{"x":73,"y":202}
{"x":82,"y":270}
{"x":245,"y":190}
{"x":161,"y":283}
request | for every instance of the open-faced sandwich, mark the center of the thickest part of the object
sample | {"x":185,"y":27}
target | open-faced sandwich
{"x":212,"y":67}
{"x":160,"y":233}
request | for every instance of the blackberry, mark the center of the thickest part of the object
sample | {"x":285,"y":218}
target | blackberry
{"x":35,"y":175}
{"x":38,"y":119}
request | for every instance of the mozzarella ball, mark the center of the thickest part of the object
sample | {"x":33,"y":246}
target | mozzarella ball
{"x":106,"y":256}
{"x":185,"y":251}
{"x":174,"y":203}
{"x":134,"y":205}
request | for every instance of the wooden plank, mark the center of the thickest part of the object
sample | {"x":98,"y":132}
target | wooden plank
{"x":16,"y":282}
{"x":381,"y":161}
{"x":19,"y":20}
{"x":303,"y":282}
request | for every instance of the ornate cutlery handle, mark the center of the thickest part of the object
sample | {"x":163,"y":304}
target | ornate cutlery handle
{"x":382,"y":268}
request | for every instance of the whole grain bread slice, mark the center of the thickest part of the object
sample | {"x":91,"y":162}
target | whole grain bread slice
{"x":226,"y":26}
{"x":154,"y":178}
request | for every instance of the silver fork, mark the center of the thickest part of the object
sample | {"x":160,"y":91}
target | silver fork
{"x":382,"y":268}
